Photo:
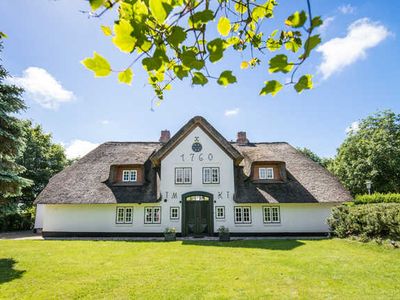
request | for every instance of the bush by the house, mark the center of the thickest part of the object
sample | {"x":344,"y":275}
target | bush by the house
{"x":16,"y":221}
{"x":377,"y":198}
{"x":369,"y":221}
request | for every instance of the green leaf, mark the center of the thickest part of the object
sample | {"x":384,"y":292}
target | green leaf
{"x":271,"y":87}
{"x":297,"y":19}
{"x":160,"y":10}
{"x":98,"y":64}
{"x":304,"y":83}
{"x":199,"y":78}
{"x":293,"y":45}
{"x":3,"y":35}
{"x":310,"y":44}
{"x":190,"y":60}
{"x":200,"y":18}
{"x":273,"y":44}
{"x":279,"y":63}
{"x":181,"y":72}
{"x":95,"y":4}
{"x":125,"y":76}
{"x":151,"y":63}
{"x":316,"y":22}
{"x":123,"y":39}
{"x":177,"y":36}
{"x":216,"y":49}
{"x":226,"y":78}
{"x":106,"y":30}
{"x":224,"y":26}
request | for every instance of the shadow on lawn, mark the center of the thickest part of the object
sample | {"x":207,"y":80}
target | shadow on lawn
{"x":255,"y":244}
{"x":7,"y":271}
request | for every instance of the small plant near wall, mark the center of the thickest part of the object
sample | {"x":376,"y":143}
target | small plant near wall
{"x":223,"y":234}
{"x":170,"y":234}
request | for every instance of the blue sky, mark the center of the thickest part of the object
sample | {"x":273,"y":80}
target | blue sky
{"x":47,"y":40}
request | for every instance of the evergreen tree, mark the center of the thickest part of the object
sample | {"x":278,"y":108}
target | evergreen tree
{"x":11,"y":138}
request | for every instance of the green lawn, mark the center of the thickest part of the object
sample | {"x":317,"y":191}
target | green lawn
{"x":281,"y":269}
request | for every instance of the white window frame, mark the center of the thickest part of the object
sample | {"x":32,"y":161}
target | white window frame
{"x":130,"y":174}
{"x":211,"y":172}
{"x":220,"y":212}
{"x":124,"y":215}
{"x":266,"y":173}
{"x":271,"y":214}
{"x":154,"y":214}
{"x":241,"y":213}
{"x":172,"y":215}
{"x":183,"y":175}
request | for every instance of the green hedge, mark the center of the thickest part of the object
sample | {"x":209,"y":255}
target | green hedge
{"x":369,"y":221}
{"x":377,"y":198}
{"x":16,"y":222}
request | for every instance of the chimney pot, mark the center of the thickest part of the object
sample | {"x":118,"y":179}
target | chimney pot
{"x":165,"y":136}
{"x":241,"y":138}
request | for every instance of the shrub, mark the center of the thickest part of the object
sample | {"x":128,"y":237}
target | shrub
{"x":377,"y":198}
{"x":16,"y":221}
{"x":369,"y":221}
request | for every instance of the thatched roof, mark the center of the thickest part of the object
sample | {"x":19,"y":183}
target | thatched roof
{"x":86,"y":181}
{"x":307,"y":181}
{"x":197,"y":121}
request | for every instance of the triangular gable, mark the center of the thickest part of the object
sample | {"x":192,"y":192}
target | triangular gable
{"x":186,"y":130}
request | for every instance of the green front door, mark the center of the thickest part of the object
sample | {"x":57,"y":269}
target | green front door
{"x":197,"y":215}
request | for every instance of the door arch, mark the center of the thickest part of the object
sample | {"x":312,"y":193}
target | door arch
{"x":197,"y":213}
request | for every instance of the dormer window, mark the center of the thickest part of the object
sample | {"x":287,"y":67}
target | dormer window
{"x":266,"y":173}
{"x":129,"y":175}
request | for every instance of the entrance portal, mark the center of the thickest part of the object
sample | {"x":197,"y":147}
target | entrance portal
{"x":197,"y":219}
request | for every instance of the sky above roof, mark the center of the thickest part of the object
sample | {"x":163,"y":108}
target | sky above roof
{"x":356,"y":72}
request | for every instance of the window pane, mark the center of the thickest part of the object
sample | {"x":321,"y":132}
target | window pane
{"x":275,"y":214}
{"x":128,"y":215}
{"x":262,"y":174}
{"x":238,"y":214}
{"x":267,"y":215}
{"x":156,"y":214}
{"x":133,"y":175}
{"x":207,"y":175}
{"x":215,"y":175}
{"x":125,"y":176}
{"x":120,"y":215}
{"x":188,"y":175}
{"x":148,"y":215}
{"x":270,"y":173}
{"x":246,"y":214}
{"x":179,"y":175}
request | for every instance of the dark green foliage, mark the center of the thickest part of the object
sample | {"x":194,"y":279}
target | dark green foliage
{"x":11,"y":139}
{"x":314,"y":157}
{"x":369,"y":221}
{"x":377,"y":198}
{"x":41,"y":159}
{"x":371,"y":153}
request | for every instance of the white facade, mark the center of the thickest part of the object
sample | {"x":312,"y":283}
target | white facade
{"x":302,"y":218}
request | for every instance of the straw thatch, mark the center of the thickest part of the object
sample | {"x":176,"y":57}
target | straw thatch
{"x":88,"y":180}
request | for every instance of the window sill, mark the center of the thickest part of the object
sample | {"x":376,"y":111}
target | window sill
{"x":127,"y":184}
{"x":272,"y":224}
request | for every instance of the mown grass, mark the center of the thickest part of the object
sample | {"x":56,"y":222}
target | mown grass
{"x":259,"y":269}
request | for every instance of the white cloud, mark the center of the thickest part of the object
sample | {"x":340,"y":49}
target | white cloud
{"x":338,"y":53}
{"x":353,"y":128}
{"x":346,"y":9}
{"x":327,"y":21}
{"x":42,"y":87}
{"x":105,"y":122}
{"x":231,"y":112}
{"x":79,"y":148}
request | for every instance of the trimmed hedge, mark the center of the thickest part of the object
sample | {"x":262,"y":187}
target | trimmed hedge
{"x":377,"y":198}
{"x":369,"y":221}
